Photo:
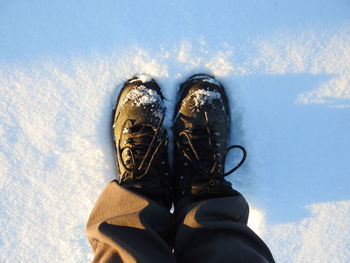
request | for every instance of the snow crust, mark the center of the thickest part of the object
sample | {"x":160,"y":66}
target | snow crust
{"x":143,"y":77}
{"x":284,"y":65}
{"x":324,"y":232}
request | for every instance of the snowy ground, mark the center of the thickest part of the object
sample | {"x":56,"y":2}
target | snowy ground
{"x":286,"y":67}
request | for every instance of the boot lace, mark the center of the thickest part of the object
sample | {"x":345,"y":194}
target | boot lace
{"x":136,"y":156}
{"x":200,"y":157}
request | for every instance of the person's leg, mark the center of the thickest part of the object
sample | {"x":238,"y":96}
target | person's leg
{"x":211,"y":216}
{"x":128,"y":227}
{"x":215,"y":230}
{"x":131,"y":221}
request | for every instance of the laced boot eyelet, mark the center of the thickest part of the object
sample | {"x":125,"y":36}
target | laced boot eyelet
{"x":212,"y":182}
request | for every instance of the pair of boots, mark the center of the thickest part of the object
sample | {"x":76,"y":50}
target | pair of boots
{"x":201,"y":129}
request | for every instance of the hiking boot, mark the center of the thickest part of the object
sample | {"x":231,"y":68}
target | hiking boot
{"x":141,"y":140}
{"x":201,"y":134}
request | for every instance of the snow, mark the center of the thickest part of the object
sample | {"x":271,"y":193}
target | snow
{"x":325,"y":231}
{"x":143,"y":77}
{"x":285,"y":66}
{"x":141,"y":96}
{"x":201,"y":97}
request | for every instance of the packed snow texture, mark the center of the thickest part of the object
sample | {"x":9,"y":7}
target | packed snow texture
{"x":286,"y":69}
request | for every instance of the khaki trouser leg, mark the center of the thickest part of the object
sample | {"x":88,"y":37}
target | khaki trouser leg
{"x":126,"y":227}
{"x":215,"y":230}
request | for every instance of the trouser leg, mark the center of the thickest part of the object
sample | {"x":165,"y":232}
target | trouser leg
{"x":127,"y":227}
{"x":215,"y":230}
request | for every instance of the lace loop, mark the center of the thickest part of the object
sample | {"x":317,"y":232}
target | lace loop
{"x":193,"y":155}
{"x":240,"y":162}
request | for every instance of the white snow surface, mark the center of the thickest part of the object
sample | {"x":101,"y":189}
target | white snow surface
{"x":143,"y":77}
{"x":286,"y":69}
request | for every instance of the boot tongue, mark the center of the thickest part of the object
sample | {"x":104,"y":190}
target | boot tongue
{"x":199,"y":138}
{"x":202,"y":142}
